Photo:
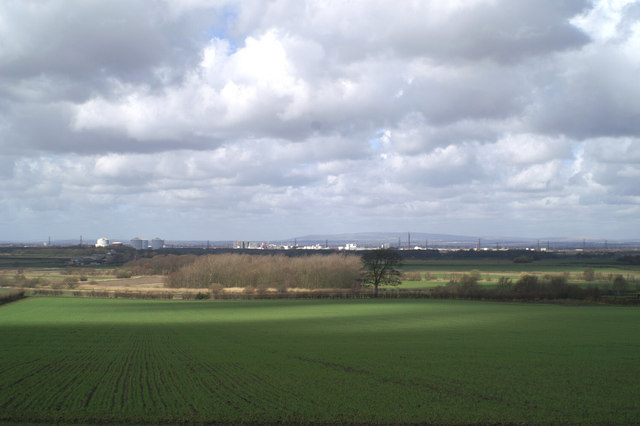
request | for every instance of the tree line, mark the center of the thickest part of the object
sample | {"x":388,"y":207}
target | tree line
{"x":275,"y":271}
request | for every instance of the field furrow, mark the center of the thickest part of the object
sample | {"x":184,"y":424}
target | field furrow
{"x":312,"y":361}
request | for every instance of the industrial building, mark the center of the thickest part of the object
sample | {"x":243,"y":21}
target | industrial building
{"x":157,"y":243}
{"x":102,"y":242}
{"x":141,"y":244}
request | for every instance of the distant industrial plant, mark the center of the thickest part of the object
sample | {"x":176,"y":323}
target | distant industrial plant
{"x":358,"y":241}
{"x":136,"y":243}
{"x":140,"y":244}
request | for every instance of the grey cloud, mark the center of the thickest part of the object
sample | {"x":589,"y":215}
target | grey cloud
{"x":504,"y":31}
{"x":286,"y":116}
{"x":594,"y":94}
{"x":482,"y":92}
{"x":90,"y":41}
{"x":34,"y":127}
{"x":612,"y":150}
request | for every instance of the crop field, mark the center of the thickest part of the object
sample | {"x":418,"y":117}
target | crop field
{"x":439,"y":272}
{"x":572,"y":265}
{"x":348,"y":361}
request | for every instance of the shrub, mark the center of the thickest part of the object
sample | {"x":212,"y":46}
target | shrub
{"x":527,"y":284}
{"x":411,"y":276}
{"x":475,"y":274}
{"x":620,"y":285}
{"x":465,"y":285}
{"x":588,"y":274}
{"x":70,"y":282}
{"x":216,"y":288}
{"x":557,"y":287}
{"x":505,"y":284}
{"x":11,"y":296}
{"x":123,"y":273}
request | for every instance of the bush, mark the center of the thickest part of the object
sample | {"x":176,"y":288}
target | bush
{"x":504,"y":284}
{"x":123,"y":273}
{"x":527,"y":284}
{"x":465,"y":285}
{"x":588,"y":274}
{"x":475,"y":274}
{"x":11,"y":296}
{"x":557,"y":287}
{"x":411,"y":276}
{"x":70,"y":282}
{"x":216,"y":288}
{"x":20,"y":280}
{"x":620,"y":285}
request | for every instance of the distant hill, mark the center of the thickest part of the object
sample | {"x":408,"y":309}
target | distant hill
{"x":386,"y":236}
{"x":432,"y":240}
{"x":394,"y":239}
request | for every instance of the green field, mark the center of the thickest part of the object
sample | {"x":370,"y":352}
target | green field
{"x":570,"y":264}
{"x":439,"y":272}
{"x":362,"y":361}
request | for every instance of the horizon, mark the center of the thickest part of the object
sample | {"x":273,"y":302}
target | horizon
{"x":399,"y":239}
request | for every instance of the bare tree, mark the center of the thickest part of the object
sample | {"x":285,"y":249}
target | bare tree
{"x":380,"y":268}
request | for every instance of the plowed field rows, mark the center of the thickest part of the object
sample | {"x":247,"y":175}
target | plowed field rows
{"x":345,"y":361}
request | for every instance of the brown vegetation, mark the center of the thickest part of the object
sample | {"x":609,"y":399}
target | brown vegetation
{"x":411,"y":276}
{"x":11,"y":296}
{"x":260,"y":272}
{"x":158,"y":265}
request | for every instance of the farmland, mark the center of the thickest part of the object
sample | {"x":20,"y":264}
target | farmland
{"x":361,"y":361}
{"x":434,"y":273}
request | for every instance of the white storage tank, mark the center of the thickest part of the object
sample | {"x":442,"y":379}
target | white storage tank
{"x":157,"y":243}
{"x":102,"y":242}
{"x":136,"y":243}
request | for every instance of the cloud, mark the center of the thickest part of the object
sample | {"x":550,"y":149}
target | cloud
{"x":261,"y":119}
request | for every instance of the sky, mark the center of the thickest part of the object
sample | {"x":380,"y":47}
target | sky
{"x":260,"y":120}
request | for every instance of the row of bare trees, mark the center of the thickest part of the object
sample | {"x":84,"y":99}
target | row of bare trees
{"x":242,"y":270}
{"x":162,"y":264}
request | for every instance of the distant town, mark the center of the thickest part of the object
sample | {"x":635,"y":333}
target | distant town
{"x":354,"y":242}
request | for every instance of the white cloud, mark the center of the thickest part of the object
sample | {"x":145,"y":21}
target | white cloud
{"x":268,"y":118}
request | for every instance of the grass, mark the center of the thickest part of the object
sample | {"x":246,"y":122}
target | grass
{"x":348,"y":361}
{"x":570,"y":264}
{"x":441,"y":271}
